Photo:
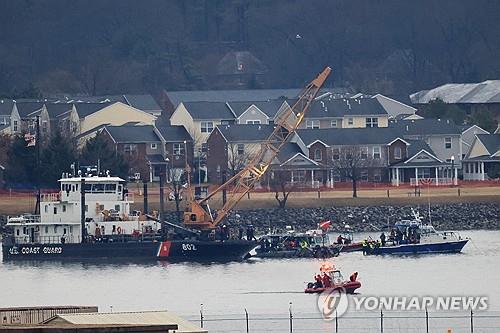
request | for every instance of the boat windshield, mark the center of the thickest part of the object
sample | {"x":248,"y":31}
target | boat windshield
{"x":427,"y":229}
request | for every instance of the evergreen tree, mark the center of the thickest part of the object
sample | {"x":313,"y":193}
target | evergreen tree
{"x":100,"y":149}
{"x":439,"y":109}
{"x":21,"y":164}
{"x":55,"y":159}
{"x":484,"y":119}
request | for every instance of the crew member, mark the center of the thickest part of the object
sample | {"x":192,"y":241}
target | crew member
{"x":327,"y":282}
{"x":318,"y":283}
{"x":340,"y":240}
{"x":353,"y":277}
{"x":382,"y":238}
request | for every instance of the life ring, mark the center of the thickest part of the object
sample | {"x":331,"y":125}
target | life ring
{"x":119,"y":230}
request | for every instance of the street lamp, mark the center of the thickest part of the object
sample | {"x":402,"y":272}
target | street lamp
{"x":453,"y":169}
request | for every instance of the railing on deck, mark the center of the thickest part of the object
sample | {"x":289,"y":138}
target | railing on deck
{"x":25,"y":219}
{"x":50,"y":197}
{"x":45,"y":239}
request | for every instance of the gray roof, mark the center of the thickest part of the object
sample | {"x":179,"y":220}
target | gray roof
{"x":86,"y":109}
{"x":69,"y":98}
{"x":6,"y":106}
{"x":174,"y":133}
{"x":329,"y":108}
{"x":416,"y":146}
{"x":246,"y":133}
{"x":142,"y":102}
{"x":245,"y":95}
{"x":25,"y":108}
{"x":461,"y":93}
{"x":288,"y":150}
{"x":426,"y":127}
{"x":490,"y":141}
{"x":254,"y":95}
{"x":57,"y":109}
{"x":132,"y":134}
{"x":209,"y":110}
{"x":269,"y":108}
{"x":348,"y":136}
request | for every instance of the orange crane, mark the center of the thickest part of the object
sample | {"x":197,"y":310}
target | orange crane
{"x":198,"y":214}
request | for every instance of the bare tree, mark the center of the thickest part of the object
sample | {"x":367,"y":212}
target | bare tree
{"x":282,"y":186}
{"x":237,"y":157}
{"x":349,"y":162}
{"x":176,"y":184}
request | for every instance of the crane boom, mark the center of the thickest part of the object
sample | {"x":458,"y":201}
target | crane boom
{"x":286,"y":124}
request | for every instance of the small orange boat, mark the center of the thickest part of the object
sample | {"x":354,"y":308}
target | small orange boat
{"x":334,"y":280}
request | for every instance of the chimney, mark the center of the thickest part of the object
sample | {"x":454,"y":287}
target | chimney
{"x":407,"y":128}
{"x":447,"y":121}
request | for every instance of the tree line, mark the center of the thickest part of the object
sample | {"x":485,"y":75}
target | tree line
{"x":25,"y":167}
{"x":107,"y":47}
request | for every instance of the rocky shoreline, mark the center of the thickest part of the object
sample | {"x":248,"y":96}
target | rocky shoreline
{"x":458,"y":216}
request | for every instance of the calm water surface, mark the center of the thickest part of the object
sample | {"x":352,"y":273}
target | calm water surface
{"x":260,"y":286}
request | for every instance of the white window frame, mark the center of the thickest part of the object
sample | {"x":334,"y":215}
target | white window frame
{"x":377,"y":155}
{"x":298,"y":176}
{"x":312,"y":124}
{"x":335,"y":154}
{"x":178,"y":149}
{"x":364,"y":175}
{"x":316,"y":156}
{"x":206,"y":126}
{"x":253,"y":122}
{"x":399,"y":151}
{"x":377,"y":175}
{"x":364,"y":153}
{"x":154,"y":146}
{"x":15,"y":126}
{"x":240,"y":149}
{"x":334,"y":123}
{"x":129,"y":148}
{"x":448,"y":141}
{"x":371,"y":122}
{"x":350,"y":121}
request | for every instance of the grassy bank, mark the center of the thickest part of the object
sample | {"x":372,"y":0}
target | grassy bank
{"x":16,"y":203}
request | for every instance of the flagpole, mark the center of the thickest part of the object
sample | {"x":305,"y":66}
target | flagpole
{"x":37,"y":146}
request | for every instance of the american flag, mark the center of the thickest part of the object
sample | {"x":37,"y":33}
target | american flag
{"x":30,"y":139}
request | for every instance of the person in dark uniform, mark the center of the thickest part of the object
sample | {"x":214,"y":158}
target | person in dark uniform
{"x":240,"y":232}
{"x":382,"y":238}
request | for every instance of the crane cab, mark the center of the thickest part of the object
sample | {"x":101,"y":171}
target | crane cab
{"x":199,"y":216}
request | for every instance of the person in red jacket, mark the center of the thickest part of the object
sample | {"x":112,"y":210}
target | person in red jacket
{"x":353,"y":276}
{"x":327,"y":281}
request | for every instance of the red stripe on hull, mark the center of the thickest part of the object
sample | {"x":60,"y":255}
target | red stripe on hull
{"x":164,"y":250}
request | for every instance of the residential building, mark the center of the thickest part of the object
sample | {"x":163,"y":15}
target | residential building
{"x":230,"y":147}
{"x":151,"y":151}
{"x":200,"y":119}
{"x":257,"y":113}
{"x":468,"y":136}
{"x":140,"y":146}
{"x":483,"y":159}
{"x":94,"y":116}
{"x":441,"y":135}
{"x":330,"y":112}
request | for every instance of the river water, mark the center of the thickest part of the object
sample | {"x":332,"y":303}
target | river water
{"x":265,"y":288}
